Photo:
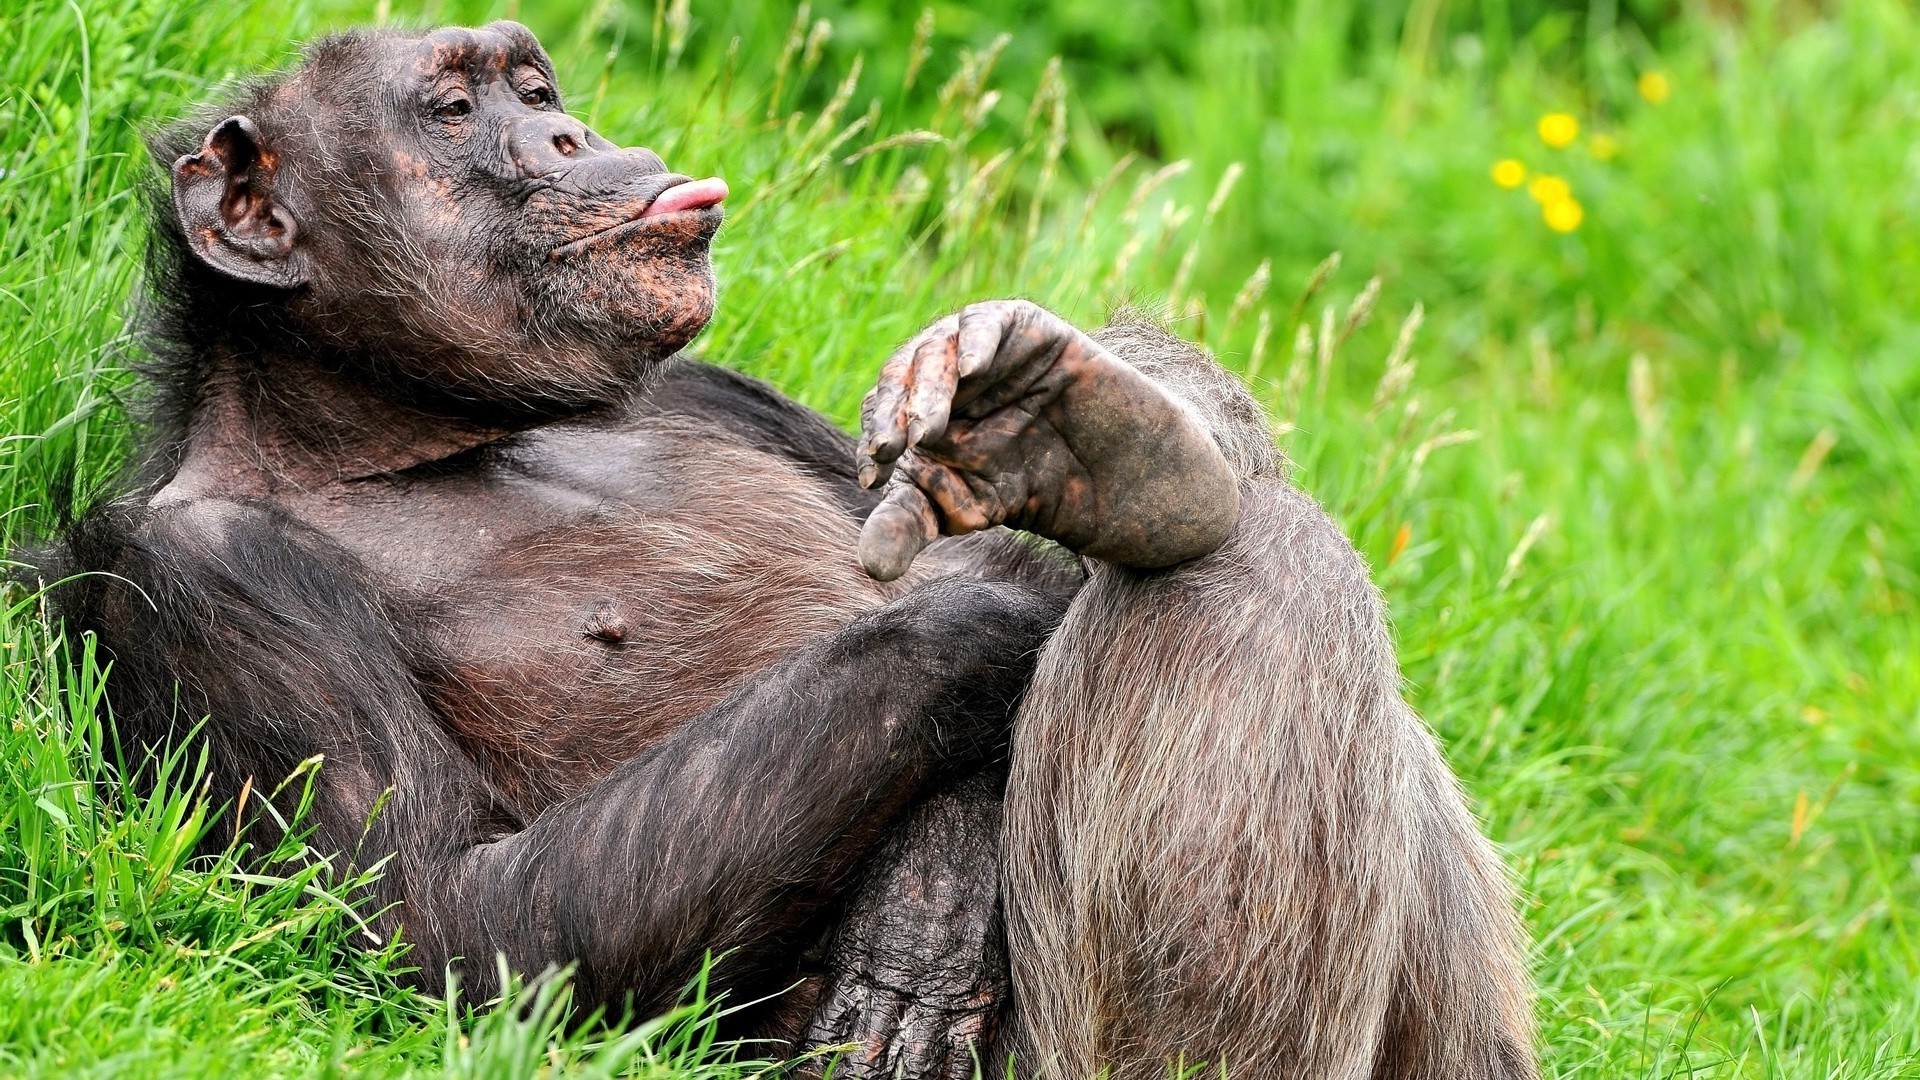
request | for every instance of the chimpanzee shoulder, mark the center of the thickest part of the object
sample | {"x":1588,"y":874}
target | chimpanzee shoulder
{"x":762,"y":417}
{"x":730,"y":405}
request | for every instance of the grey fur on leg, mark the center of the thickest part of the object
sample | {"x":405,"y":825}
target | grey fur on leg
{"x":1235,"y":420}
{"x":1228,"y":838}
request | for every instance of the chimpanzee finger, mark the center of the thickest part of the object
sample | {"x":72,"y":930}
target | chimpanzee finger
{"x":896,"y":531}
{"x":961,"y":508}
{"x":886,"y":433}
{"x":875,"y":1030}
{"x":964,"y":1062}
{"x":833,"y":1021}
{"x":966,"y":1051}
{"x":920,"y":1047}
{"x":982,"y":326}
{"x":871,"y":473}
{"x":883,"y":415}
{"x":935,"y":374}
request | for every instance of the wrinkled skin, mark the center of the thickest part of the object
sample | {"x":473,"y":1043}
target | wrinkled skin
{"x":433,"y":310}
{"x":521,"y":246}
{"x":917,"y":972}
{"x":500,"y":247}
{"x":1005,"y":414}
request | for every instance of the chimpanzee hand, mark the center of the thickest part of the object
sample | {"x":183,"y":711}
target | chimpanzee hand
{"x":1005,"y":414}
{"x":917,"y":970}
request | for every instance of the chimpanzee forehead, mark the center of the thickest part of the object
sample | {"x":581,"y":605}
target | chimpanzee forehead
{"x":472,"y":50}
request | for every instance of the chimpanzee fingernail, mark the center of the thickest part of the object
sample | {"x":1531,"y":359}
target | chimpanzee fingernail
{"x":916,"y":430}
{"x":869,"y":473}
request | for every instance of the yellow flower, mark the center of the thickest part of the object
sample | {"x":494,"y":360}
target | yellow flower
{"x":1509,"y":173}
{"x":1604,"y":147}
{"x":1563,"y":215}
{"x":1548,"y":189}
{"x":1655,"y":87}
{"x":1558,"y":130}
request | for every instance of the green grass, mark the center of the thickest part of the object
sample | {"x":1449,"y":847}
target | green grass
{"x":1642,"y":496}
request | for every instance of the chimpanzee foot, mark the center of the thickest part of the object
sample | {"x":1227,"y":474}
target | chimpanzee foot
{"x":917,"y":971}
{"x":1005,"y":414}
{"x":899,"y":1033}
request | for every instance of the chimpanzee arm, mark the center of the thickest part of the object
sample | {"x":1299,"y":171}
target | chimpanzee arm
{"x":748,"y":818}
{"x":735,"y":406}
{"x":723,"y":838}
{"x":915,"y":973}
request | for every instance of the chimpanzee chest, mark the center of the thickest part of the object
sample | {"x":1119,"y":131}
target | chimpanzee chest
{"x":575,"y":609}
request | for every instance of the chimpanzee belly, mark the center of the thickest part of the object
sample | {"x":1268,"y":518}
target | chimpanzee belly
{"x":589,"y":591}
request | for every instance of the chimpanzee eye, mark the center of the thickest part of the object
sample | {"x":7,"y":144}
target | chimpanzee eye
{"x":454,"y":109}
{"x":536,"y":96}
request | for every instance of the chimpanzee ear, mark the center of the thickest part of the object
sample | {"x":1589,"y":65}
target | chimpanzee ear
{"x":224,"y":196}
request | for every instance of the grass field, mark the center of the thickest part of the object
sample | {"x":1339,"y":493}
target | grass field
{"x":1638,"y":478}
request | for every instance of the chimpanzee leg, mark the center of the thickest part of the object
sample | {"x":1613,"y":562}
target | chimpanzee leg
{"x":1228,"y":839}
{"x":722,"y":839}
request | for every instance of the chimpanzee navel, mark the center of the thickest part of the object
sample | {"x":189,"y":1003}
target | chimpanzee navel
{"x":604,"y":622}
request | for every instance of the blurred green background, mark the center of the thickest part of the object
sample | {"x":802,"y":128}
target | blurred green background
{"x":1592,"y":322}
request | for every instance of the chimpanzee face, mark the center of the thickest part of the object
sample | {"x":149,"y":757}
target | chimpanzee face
{"x":427,"y":203}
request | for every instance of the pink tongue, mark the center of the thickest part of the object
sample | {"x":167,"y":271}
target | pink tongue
{"x":692,"y":195}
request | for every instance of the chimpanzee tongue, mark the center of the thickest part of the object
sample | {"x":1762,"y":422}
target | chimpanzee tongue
{"x":692,"y":195}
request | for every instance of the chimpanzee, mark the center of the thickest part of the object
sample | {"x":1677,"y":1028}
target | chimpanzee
{"x":1047,"y":720}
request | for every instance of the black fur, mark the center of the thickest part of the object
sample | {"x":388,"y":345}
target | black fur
{"x":726,"y":838}
{"x":233,"y":618}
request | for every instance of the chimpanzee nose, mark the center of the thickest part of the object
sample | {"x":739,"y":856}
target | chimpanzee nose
{"x":543,"y":144}
{"x":546,"y":144}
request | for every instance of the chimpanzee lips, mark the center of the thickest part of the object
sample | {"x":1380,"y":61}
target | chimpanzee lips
{"x":688,"y":197}
{"x":692,"y":195}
